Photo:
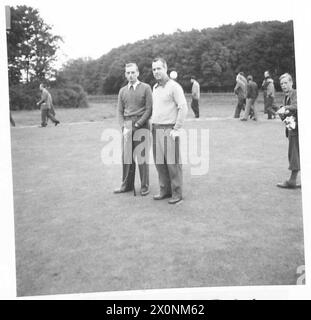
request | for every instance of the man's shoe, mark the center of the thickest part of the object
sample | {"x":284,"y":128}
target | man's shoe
{"x":243,"y":119}
{"x":175,"y":200}
{"x":161,"y":196}
{"x":288,"y":185}
{"x":144,"y":192}
{"x":56,"y":123}
{"x":120,"y":190}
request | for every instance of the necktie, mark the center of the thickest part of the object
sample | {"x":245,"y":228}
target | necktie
{"x":286,"y":100}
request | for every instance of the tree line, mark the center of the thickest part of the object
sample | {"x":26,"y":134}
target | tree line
{"x":213,"y":55}
{"x":32,"y":51}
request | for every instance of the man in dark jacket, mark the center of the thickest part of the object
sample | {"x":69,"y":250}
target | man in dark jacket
{"x":289,"y":115}
{"x":134,"y":110}
{"x":46,"y":106}
{"x":268,"y":95}
{"x":252,"y":94}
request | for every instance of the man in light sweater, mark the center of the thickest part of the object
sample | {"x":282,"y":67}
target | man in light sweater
{"x":169,"y":112}
{"x":134,"y":110}
{"x":240,"y":90}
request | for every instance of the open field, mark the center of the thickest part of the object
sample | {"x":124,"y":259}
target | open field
{"x":104,"y":107}
{"x":235,"y":227}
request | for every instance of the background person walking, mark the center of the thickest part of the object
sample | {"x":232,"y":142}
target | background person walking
{"x":240,"y":91}
{"x":46,"y":106}
{"x":252,"y":94}
{"x":195,"y":94}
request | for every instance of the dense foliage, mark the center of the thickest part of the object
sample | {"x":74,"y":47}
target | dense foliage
{"x":31,"y":46}
{"x":212,"y":55}
{"x":31,"y":52}
{"x":25,"y":96}
{"x":70,"y":96}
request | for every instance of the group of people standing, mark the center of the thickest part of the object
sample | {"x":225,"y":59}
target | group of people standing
{"x":247,"y":93}
{"x":246,"y":90}
{"x":166,"y":107}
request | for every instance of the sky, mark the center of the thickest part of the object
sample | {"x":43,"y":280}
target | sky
{"x":92,"y":28}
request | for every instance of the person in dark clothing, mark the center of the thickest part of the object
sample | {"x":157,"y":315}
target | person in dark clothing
{"x":289,"y":114}
{"x":251,"y":96}
{"x":195,"y":95}
{"x":268,"y":95}
{"x":12,"y":120}
{"x":46,"y":107}
{"x":134,"y":111}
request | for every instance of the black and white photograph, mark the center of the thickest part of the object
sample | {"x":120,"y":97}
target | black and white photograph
{"x":154,"y":150}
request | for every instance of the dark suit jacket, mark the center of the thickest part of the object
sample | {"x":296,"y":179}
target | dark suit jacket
{"x":290,"y":101}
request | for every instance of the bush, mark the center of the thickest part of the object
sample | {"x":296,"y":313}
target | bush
{"x":71,"y":96}
{"x":25,"y":96}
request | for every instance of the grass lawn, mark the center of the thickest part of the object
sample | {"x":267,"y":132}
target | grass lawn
{"x":104,"y":107}
{"x":235,"y":227}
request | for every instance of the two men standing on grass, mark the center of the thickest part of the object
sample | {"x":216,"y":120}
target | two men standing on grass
{"x":168,"y":106}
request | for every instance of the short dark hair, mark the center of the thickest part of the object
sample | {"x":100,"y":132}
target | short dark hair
{"x":160,"y":59}
{"x":132,"y":64}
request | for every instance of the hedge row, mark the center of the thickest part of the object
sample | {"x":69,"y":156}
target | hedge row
{"x":25,"y":97}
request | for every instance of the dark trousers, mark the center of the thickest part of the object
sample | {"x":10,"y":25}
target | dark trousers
{"x":45,"y":115}
{"x":166,"y":154}
{"x":271,"y":109}
{"x":129,"y":143}
{"x":12,"y":120}
{"x":195,"y":107}
{"x":239,"y":107}
{"x":293,"y":152}
{"x":265,"y":102}
{"x":250,"y":109}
